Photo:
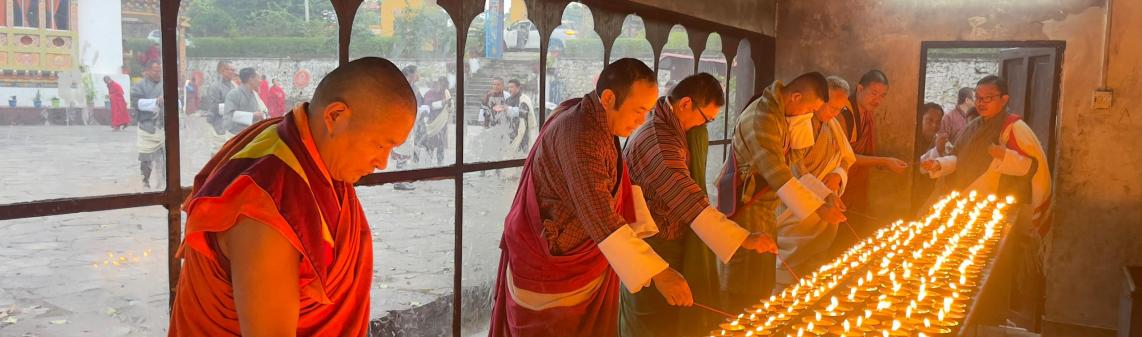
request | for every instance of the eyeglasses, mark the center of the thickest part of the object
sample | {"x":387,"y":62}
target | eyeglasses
{"x":987,"y":99}
{"x":707,"y":119}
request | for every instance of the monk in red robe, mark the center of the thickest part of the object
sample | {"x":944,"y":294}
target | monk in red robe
{"x":277,"y":102}
{"x":276,"y":241}
{"x":575,"y":229}
{"x":860,"y":127}
{"x":119,"y":115}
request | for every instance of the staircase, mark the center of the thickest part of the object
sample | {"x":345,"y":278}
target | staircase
{"x":477,"y":85}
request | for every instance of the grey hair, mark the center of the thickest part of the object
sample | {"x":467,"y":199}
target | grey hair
{"x":838,"y":83}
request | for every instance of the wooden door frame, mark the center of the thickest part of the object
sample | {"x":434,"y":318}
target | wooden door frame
{"x":1027,"y":53}
{"x":1059,"y":47}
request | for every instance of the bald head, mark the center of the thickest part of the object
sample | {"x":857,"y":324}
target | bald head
{"x":359,"y":113}
{"x":369,"y":85}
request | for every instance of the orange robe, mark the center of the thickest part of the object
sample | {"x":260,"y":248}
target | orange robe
{"x":272,"y":173}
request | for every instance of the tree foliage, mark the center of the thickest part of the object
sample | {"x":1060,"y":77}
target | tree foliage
{"x":233,"y":18}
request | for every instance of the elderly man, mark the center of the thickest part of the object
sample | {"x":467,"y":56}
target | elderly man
{"x":149,"y":138}
{"x":276,"y":242}
{"x":119,"y":115}
{"x":243,"y":104}
{"x":658,"y":156}
{"x":803,"y":243}
{"x":757,"y":177}
{"x":576,"y":226}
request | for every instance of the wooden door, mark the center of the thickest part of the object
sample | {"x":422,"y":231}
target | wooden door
{"x":1031,"y":75}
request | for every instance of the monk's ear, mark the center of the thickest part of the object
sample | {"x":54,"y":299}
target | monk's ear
{"x":795,"y":97}
{"x":336,"y":117}
{"x":607,"y":97}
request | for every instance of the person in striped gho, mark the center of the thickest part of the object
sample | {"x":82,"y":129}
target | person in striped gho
{"x":692,"y":235}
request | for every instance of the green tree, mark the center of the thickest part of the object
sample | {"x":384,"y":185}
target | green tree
{"x":424,"y":31}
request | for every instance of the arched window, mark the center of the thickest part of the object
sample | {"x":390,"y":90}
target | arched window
{"x":632,"y":42}
{"x":575,"y":55}
{"x":501,"y":79}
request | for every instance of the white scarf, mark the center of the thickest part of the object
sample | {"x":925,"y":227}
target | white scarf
{"x":800,"y":131}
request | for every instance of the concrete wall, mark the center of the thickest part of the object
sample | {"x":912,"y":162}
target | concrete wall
{"x":946,"y":75}
{"x":1098,"y":191}
{"x":752,"y":15}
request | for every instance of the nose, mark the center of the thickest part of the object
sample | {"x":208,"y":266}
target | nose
{"x":382,"y":159}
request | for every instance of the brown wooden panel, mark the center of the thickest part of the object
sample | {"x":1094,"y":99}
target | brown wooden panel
{"x":608,"y":24}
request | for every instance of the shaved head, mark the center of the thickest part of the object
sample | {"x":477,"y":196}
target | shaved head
{"x":359,"y":113}
{"x":365,"y":83}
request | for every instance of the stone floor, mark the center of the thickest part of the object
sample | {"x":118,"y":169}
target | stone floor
{"x":105,"y":273}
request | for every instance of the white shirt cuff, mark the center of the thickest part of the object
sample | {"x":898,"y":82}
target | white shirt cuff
{"x":799,"y":198}
{"x":1012,"y":164}
{"x":631,"y":258}
{"x":722,"y":235}
{"x":844,"y":178}
{"x":146,"y":104}
{"x":947,"y":166}
{"x":816,"y":185}
{"x":643,"y":226}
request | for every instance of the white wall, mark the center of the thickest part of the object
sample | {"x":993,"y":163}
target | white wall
{"x":100,"y":44}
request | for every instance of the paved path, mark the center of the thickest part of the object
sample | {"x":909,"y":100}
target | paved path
{"x":105,"y":273}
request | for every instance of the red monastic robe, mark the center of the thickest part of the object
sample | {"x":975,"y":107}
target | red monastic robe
{"x":277,"y":102}
{"x":272,"y":173}
{"x":119,"y":115}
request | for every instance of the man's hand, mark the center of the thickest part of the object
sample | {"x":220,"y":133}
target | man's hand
{"x":997,"y":151}
{"x":760,"y":243}
{"x":159,"y":101}
{"x":941,"y":143}
{"x":892,"y":164}
{"x":831,"y":214}
{"x":674,"y":288}
{"x":833,"y":182}
{"x":930,"y":165}
{"x":834,"y":200}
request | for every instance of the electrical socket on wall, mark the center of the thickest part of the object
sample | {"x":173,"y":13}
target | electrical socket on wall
{"x":1102,"y":99}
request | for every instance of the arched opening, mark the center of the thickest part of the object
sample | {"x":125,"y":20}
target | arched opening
{"x":632,"y":42}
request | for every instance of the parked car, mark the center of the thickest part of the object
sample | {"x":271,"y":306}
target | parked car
{"x":156,"y":36}
{"x":513,"y":42}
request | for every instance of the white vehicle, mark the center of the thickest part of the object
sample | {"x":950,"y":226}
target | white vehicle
{"x":515,"y":41}
{"x":156,"y":36}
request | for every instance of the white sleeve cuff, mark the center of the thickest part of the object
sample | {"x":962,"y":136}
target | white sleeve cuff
{"x":844,"y":178}
{"x":947,"y":166}
{"x":722,"y":235}
{"x":816,"y":185}
{"x":799,"y":198}
{"x":151,"y":104}
{"x":631,"y":258}
{"x":1013,"y":164}
{"x":643,"y":226}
